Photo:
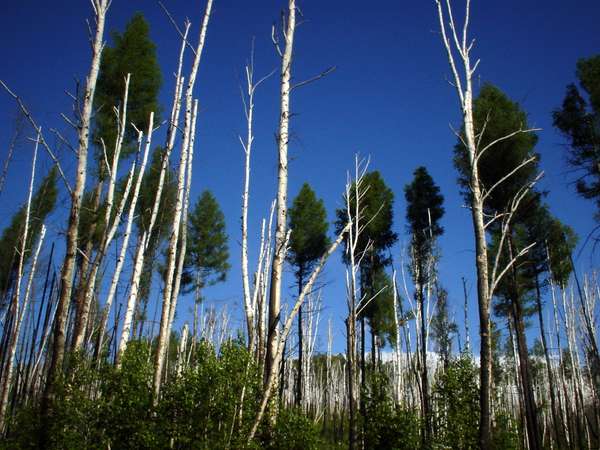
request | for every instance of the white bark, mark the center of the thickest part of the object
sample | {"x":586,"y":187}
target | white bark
{"x":100,"y":9}
{"x":164,"y":332}
{"x":91,"y":278}
{"x":121,"y":259}
{"x":281,"y":220}
{"x":17,"y":311}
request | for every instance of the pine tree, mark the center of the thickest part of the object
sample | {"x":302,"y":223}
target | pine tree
{"x":374,"y":242}
{"x":42,"y":204}
{"x":496,"y":117}
{"x":207,"y":249}
{"x":132,"y":52}
{"x":423,"y":213}
{"x":579,"y":121}
{"x":308,"y":242}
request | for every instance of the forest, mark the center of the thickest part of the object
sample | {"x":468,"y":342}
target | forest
{"x":139,"y":309}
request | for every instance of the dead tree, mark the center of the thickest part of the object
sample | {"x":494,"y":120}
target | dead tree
{"x":179,"y":219}
{"x":488,"y":277}
{"x":66,"y":280}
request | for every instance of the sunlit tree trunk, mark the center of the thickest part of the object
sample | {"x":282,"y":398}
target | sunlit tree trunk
{"x":178,"y":219}
{"x":281,"y":214}
{"x":66,"y":280}
{"x":17,"y":310}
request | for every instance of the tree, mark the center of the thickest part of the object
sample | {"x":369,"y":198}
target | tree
{"x":129,"y":66}
{"x":42,"y":204}
{"x":308,"y":242}
{"x":579,"y":121}
{"x":159,"y":232}
{"x":207,"y":252}
{"x":66,"y":278}
{"x":423,"y":213}
{"x":132,"y":52}
{"x":442,"y":327}
{"x":372,"y":243}
{"x":506,"y":172}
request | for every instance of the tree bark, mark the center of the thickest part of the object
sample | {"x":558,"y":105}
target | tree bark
{"x":66,"y":280}
{"x":281,"y":221}
{"x":163,"y":337}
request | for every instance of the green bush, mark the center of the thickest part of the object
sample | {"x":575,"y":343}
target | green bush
{"x":456,"y":396}
{"x":386,"y":426}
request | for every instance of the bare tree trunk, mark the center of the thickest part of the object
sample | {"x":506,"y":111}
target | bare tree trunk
{"x":124,"y":245}
{"x":300,"y":347}
{"x":272,"y":376}
{"x":163,"y":337}
{"x":58,"y":351}
{"x":15,"y":309}
{"x":89,"y":280}
{"x":557,"y":419}
{"x":426,"y":431}
{"x":281,"y":221}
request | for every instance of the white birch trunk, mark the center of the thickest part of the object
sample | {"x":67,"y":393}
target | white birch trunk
{"x":281,"y":221}
{"x":7,"y":373}
{"x":164,"y":332}
{"x":66,"y":282}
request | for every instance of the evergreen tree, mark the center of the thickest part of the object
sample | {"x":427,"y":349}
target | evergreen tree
{"x":442,"y":328}
{"x":496,"y":117}
{"x":423,"y":213}
{"x":374,"y":242}
{"x":579,"y":121}
{"x":42,"y":204}
{"x":207,"y":252}
{"x":308,"y":242}
{"x":132,"y":52}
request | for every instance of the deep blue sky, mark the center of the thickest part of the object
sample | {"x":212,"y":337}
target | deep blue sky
{"x":388,"y":99}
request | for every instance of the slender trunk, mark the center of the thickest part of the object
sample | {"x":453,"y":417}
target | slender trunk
{"x":533,"y":434}
{"x":163,"y":336}
{"x":426,"y":431}
{"x":281,"y":222}
{"x":352,"y":378}
{"x":82,"y":313}
{"x":300,"y":346}
{"x":557,"y":419}
{"x":113,"y":286}
{"x":80,"y":296}
{"x":15,"y":310}
{"x":66,"y":279}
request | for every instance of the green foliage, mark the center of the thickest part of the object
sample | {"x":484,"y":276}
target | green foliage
{"x":579,"y":121}
{"x":456,"y":395}
{"x":200,"y":409}
{"x":294,"y":431}
{"x":387,"y":426}
{"x":308,"y":240}
{"x":497,"y":116}
{"x":207,"y":251}
{"x":132,"y":52}
{"x":380,"y":311}
{"x":42,"y":204}
{"x":98,"y":407}
{"x":423,"y":212}
{"x":442,"y":328}
{"x":505,"y":434}
{"x":377,"y":217}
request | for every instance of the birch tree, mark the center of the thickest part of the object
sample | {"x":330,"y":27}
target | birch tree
{"x":100,"y":8}
{"x":16,"y":308}
{"x":178,"y":220}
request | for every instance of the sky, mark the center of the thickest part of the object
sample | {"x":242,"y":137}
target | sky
{"x":388,"y":99}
